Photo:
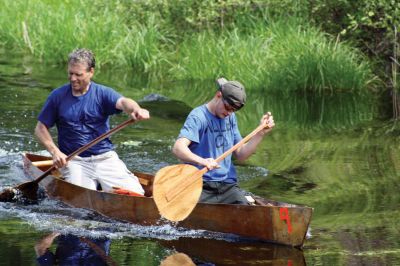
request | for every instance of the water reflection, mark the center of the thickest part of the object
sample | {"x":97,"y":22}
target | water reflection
{"x":339,"y":110}
{"x":208,"y":251}
{"x":177,"y":259}
{"x":73,"y":250}
{"x":70,"y":249}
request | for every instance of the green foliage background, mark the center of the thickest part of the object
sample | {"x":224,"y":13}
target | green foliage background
{"x":274,"y":45}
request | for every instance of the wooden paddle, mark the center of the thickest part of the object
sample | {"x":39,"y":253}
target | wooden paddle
{"x":42,"y":163}
{"x":177,"y":188}
{"x":29,"y":189}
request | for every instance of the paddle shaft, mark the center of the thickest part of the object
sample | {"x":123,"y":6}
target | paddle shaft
{"x":87,"y":146}
{"x":170,"y":195}
{"x":42,"y":163}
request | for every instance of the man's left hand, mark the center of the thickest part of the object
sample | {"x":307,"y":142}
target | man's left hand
{"x":268,"y":121}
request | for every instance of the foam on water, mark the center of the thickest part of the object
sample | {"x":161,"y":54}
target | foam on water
{"x":4,"y":154}
{"x":51,"y":215}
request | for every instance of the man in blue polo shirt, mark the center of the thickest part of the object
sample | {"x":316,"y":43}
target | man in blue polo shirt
{"x":80,"y":110}
{"x":209,"y":131}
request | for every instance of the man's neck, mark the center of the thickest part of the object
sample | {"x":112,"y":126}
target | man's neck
{"x":211,"y":106}
{"x":81,"y":92}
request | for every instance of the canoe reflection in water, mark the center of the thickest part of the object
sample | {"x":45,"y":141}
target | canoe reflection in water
{"x":205,"y":251}
{"x":73,"y":250}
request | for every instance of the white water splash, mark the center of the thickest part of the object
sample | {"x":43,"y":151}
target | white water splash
{"x":51,"y":215}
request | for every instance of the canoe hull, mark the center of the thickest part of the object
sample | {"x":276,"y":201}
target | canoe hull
{"x":281,"y":223}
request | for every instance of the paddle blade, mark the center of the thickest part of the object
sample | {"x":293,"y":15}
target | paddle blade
{"x":176,"y":190}
{"x":29,"y":190}
{"x":21,"y":193}
{"x":8,"y":195}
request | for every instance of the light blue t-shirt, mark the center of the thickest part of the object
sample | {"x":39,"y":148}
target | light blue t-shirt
{"x":210,"y":137}
{"x":80,"y":119}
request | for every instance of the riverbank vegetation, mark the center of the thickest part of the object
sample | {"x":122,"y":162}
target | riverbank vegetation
{"x":273,"y":45}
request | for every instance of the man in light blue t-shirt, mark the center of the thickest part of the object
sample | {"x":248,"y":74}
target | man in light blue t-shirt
{"x":209,"y":131}
{"x":80,"y":110}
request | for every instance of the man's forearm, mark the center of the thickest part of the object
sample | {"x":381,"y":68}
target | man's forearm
{"x":183,"y":153}
{"x":248,"y":149}
{"x":128,"y":105}
{"x":43,"y":135}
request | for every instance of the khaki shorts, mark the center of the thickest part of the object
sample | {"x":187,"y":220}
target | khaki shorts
{"x":106,"y":170}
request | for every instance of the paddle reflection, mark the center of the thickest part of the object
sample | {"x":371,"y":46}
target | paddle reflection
{"x":73,"y":250}
{"x":180,"y":259}
{"x":220,"y":252}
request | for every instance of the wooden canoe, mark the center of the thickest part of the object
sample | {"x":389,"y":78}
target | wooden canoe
{"x":267,"y":220}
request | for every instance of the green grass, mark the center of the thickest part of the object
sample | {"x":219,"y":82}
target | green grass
{"x":281,"y":56}
{"x":51,"y":30}
{"x":284,"y":55}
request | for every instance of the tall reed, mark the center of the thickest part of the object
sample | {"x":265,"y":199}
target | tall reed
{"x":280,"y":56}
{"x":306,"y":59}
{"x":52,"y":29}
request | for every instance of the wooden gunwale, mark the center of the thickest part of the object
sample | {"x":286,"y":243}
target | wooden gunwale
{"x":268,"y":220}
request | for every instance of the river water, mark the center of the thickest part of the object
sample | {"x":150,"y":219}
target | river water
{"x":333,"y":152}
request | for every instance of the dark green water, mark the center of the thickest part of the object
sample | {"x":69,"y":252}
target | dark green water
{"x":329,"y":152}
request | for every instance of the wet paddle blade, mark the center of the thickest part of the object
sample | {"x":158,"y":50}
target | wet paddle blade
{"x":176,"y":190}
{"x":8,"y":195}
{"x":29,"y":190}
{"x":22,"y":192}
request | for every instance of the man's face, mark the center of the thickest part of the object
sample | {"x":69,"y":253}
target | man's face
{"x":79,"y":76}
{"x":223,"y":108}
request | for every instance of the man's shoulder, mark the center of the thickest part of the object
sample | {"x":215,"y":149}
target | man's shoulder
{"x":199,"y":111}
{"x":198,"y":117}
{"x":61,"y":91}
{"x":100,"y":87}
{"x":64,"y":87}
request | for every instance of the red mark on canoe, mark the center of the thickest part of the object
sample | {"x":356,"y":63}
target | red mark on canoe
{"x":284,"y":215}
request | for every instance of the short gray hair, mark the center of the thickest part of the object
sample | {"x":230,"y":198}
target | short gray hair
{"x":82,"y":56}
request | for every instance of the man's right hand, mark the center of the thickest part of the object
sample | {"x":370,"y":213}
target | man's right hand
{"x":210,"y":163}
{"x":43,"y":134}
{"x":59,"y":159}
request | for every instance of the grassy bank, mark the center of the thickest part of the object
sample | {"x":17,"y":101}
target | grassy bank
{"x":50,"y":30}
{"x":260,"y":52}
{"x":278,"y":56}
